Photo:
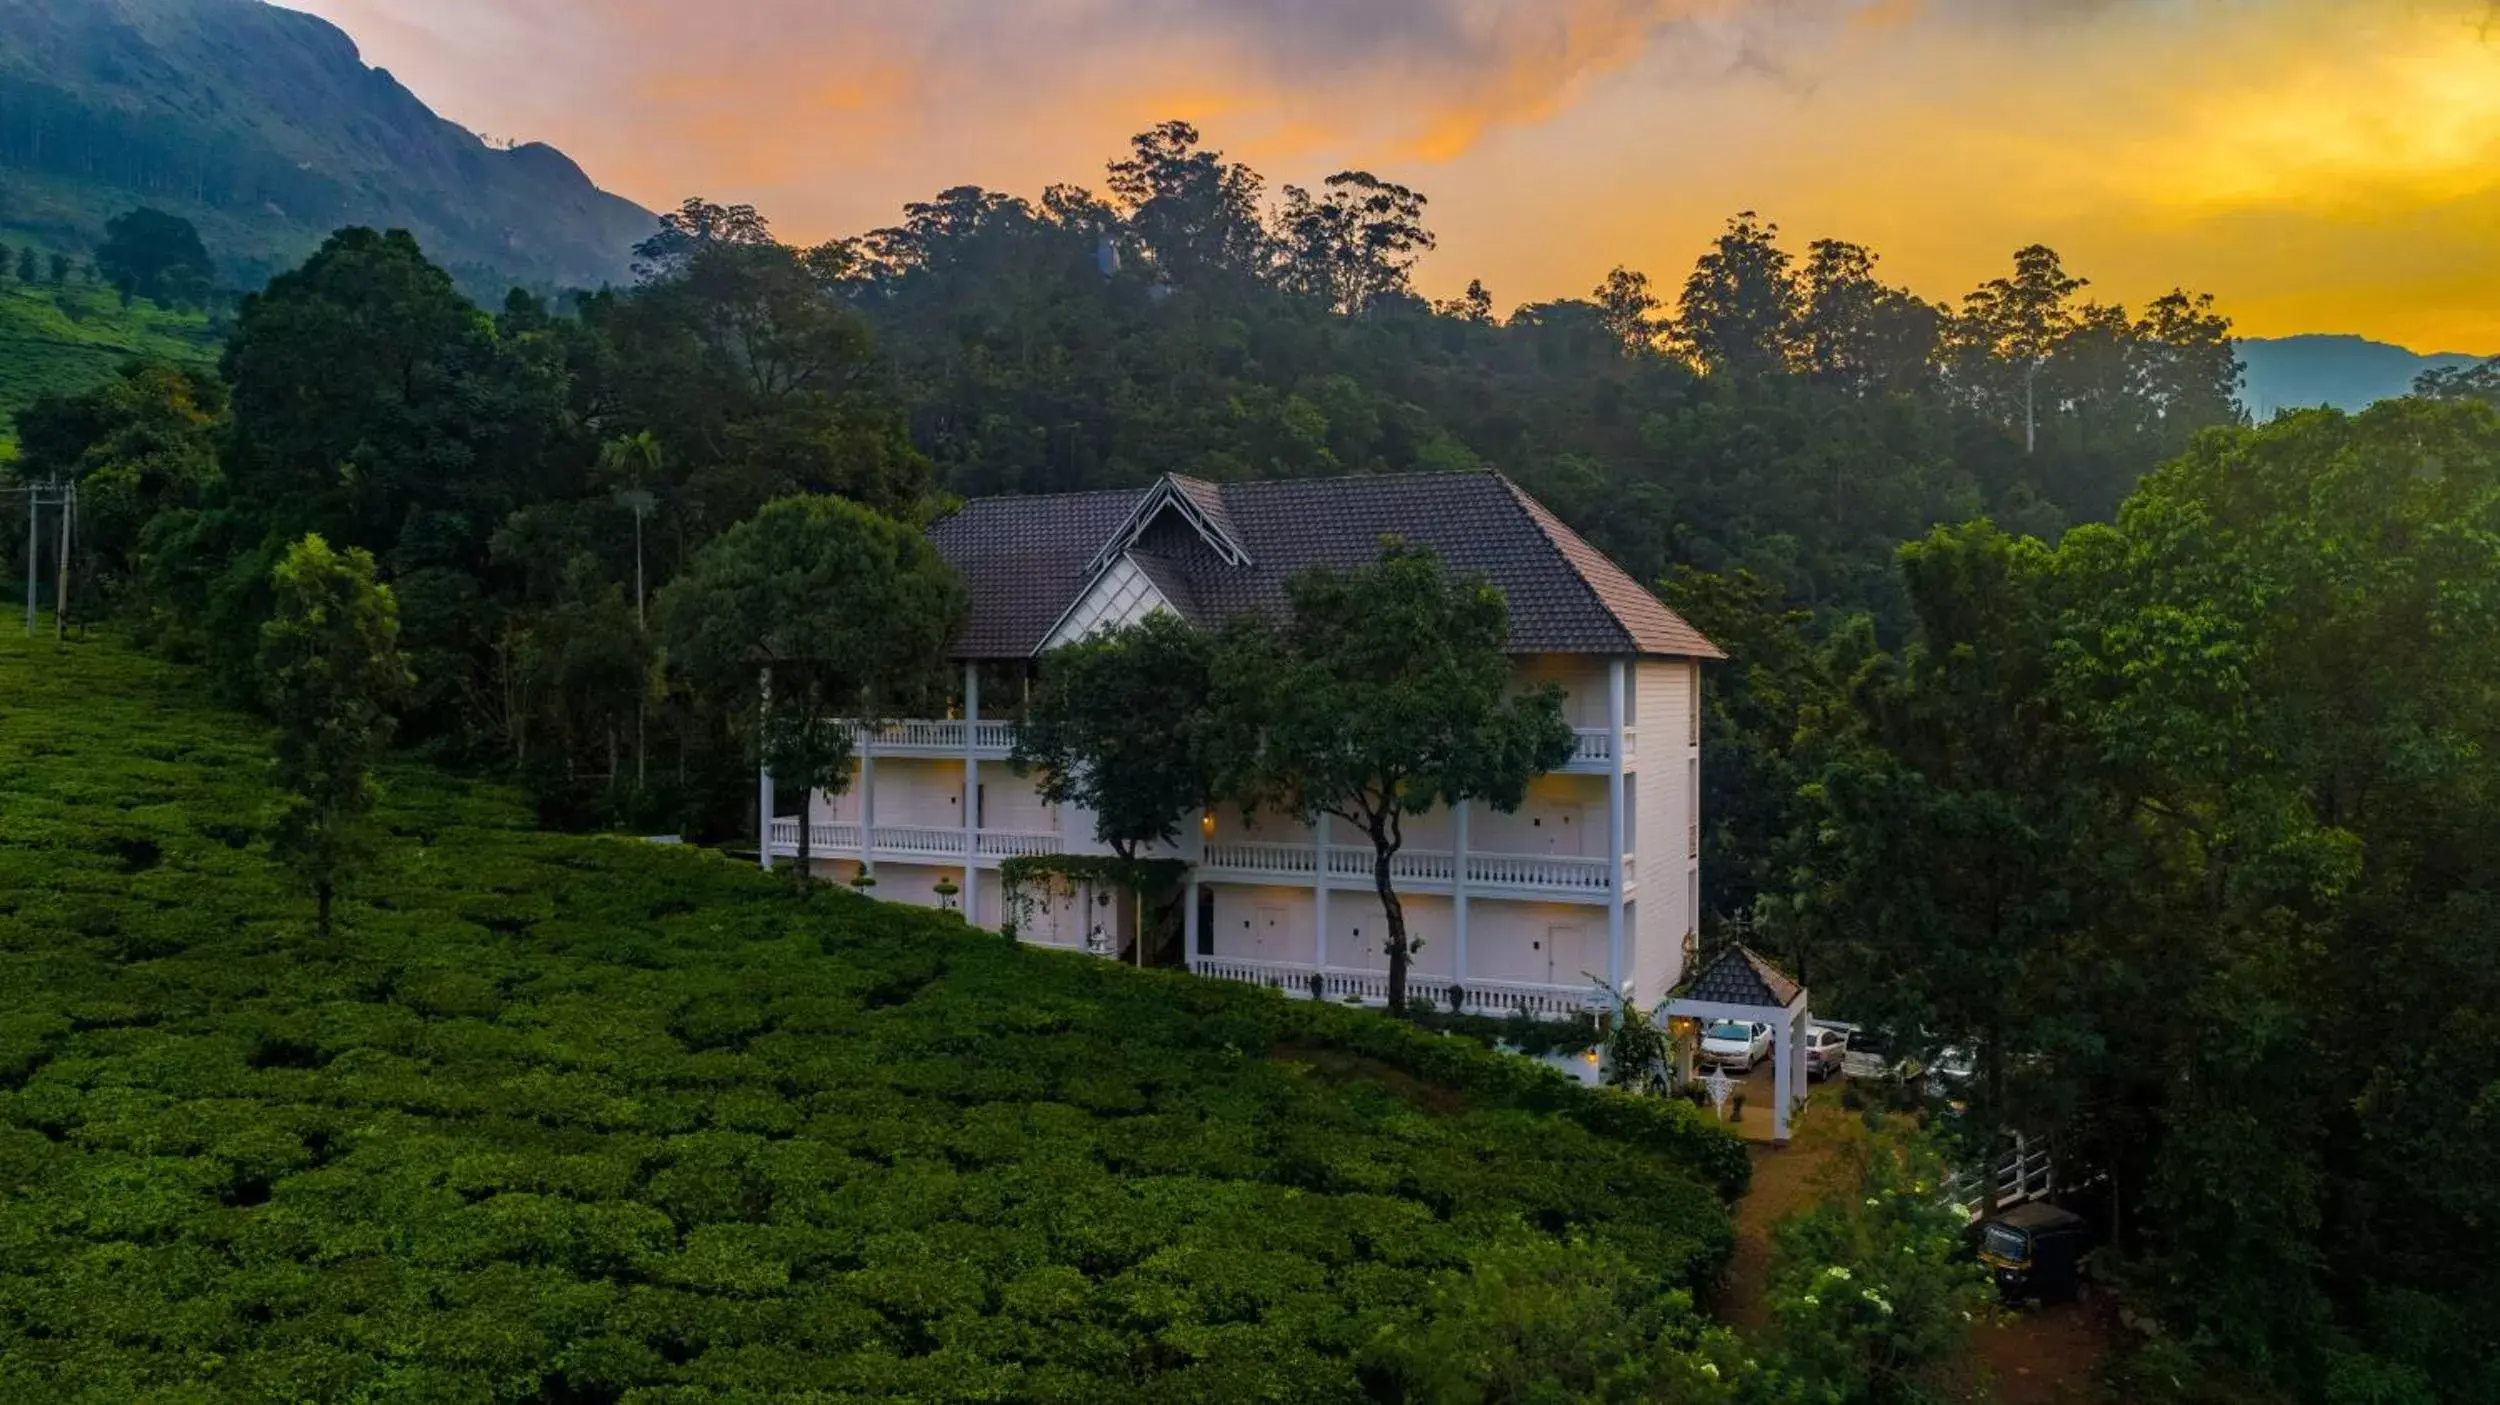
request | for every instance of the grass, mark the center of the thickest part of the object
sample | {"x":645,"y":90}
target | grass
{"x":66,"y":339}
{"x":581,"y":1119}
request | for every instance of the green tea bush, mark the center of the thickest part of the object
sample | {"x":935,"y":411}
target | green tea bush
{"x":573,"y":1119}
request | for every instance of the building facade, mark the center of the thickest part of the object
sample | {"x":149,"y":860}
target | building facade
{"x":1592,"y":884}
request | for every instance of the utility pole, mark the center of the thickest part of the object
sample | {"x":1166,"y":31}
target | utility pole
{"x":60,"y":591}
{"x":34,"y":496}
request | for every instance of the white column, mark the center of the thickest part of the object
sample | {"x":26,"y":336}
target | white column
{"x":1458,"y":896}
{"x":1783,"y":1041}
{"x":972,"y":794}
{"x":1319,"y":889}
{"x":764,"y":812}
{"x":763,"y":769}
{"x":868,"y":802}
{"x":1189,"y":923}
{"x":1615,"y":828}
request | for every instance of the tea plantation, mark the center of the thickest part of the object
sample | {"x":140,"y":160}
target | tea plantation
{"x":573,"y":1119}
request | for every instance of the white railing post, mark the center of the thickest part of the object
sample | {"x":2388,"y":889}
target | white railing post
{"x":1615,"y":828}
{"x":972,"y":793}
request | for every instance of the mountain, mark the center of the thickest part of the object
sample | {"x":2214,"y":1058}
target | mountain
{"x":2349,"y":373}
{"x":264,"y":127}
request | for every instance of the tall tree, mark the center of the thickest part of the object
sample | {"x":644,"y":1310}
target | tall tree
{"x":1386,"y":693}
{"x":1120,"y":726}
{"x":2008,"y":329}
{"x":150,"y":254}
{"x":692,"y":227}
{"x":1856,"y":333}
{"x":1628,"y":308}
{"x":1355,"y":244}
{"x":1741,"y":305}
{"x":812,"y":615}
{"x":331,"y":678}
{"x":1190,"y":211}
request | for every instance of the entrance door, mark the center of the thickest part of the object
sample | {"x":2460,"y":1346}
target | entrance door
{"x":1565,"y":961}
{"x":1206,"y":920}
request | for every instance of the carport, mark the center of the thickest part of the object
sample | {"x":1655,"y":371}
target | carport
{"x":1739,"y":985}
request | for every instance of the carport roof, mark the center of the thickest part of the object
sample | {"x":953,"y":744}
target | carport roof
{"x":1739,"y":976}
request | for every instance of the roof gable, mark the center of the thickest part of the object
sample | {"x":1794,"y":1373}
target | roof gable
{"x":1193,"y":500}
{"x":1738,"y":976}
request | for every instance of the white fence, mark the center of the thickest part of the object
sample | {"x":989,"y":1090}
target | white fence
{"x":1372,"y":987}
{"x":1423,"y":869}
{"x":908,"y":842}
{"x":2026,"y":1170}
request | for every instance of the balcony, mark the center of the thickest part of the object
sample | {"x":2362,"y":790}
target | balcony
{"x":1414,"y":870}
{"x":940,"y":738}
{"x":1596,"y":756}
{"x":906,"y":843}
{"x":1481,"y":997}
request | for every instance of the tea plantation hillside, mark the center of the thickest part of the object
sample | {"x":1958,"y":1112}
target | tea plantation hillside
{"x":575,"y":1119}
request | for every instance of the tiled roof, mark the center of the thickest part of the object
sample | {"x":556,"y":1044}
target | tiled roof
{"x":1024,"y":562}
{"x":1737,"y":976}
{"x":1026,"y":558}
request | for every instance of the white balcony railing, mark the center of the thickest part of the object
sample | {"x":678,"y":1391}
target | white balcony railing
{"x":924,"y":737}
{"x":908,"y":842}
{"x":1423,"y":869}
{"x":1372,"y":987}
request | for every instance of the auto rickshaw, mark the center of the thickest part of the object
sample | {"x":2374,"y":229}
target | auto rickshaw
{"x":2036,"y":1251}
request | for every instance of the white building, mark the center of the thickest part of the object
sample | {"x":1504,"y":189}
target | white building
{"x":1595,"y":878}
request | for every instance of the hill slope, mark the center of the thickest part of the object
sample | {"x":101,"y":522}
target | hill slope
{"x":67,"y":339}
{"x":265,"y":127}
{"x":559,"y":1118}
{"x":2347,"y":372}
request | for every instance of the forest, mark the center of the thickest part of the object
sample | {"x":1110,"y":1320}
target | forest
{"x":2147,"y":752}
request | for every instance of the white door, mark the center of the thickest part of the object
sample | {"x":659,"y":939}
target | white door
{"x":1565,"y":962}
{"x":1267,"y":938}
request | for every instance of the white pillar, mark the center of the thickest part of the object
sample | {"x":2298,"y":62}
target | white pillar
{"x":763,"y":767}
{"x":1783,"y":1041}
{"x":1458,"y":899}
{"x":1615,"y":827}
{"x":868,"y":802}
{"x":972,"y":794}
{"x":1319,"y":890}
{"x":764,"y":812}
{"x":1189,"y":924}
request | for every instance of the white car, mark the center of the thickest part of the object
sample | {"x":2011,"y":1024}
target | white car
{"x":1826,"y":1047}
{"x":1735,"y":1045}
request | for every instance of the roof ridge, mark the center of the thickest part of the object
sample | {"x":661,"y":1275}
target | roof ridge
{"x":1577,"y":553}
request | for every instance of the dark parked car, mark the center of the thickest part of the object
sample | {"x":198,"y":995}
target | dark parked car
{"x":2036,"y":1251}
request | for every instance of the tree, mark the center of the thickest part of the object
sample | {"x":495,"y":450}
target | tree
{"x":60,"y":270}
{"x":1626,"y":304}
{"x":1474,"y":305}
{"x":814,"y":615}
{"x":28,"y":270}
{"x":1856,"y":333}
{"x":1385,"y":694}
{"x":331,"y":678}
{"x":1740,"y":307}
{"x":2008,"y":328}
{"x":1354,"y":245}
{"x":140,"y":445}
{"x":1189,"y":210}
{"x":2480,"y":382}
{"x":150,"y":254}
{"x":692,"y":227}
{"x":1120,"y":727}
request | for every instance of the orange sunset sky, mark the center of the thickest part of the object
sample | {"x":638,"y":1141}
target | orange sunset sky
{"x":2319,"y":165}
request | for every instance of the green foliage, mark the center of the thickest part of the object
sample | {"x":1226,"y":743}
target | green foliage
{"x":67,"y":342}
{"x":1386,"y":694}
{"x":332,"y":680}
{"x":150,"y":254}
{"x":1873,"y":1290}
{"x":2185,"y":825}
{"x":140,"y":444}
{"x":574,"y":1118}
{"x":1120,"y":727}
{"x":815,"y":612}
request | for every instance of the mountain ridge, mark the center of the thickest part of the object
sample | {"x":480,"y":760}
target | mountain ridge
{"x":266,"y":127}
{"x":2341,"y":369}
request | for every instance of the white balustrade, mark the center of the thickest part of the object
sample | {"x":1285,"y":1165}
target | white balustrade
{"x":936,"y":843}
{"x":1597,"y":750}
{"x":1428,"y":868}
{"x":1482,"y":997}
{"x":1279,"y":975}
{"x":1267,"y":860}
{"x":1631,"y":743}
{"x":1543,"y":873}
{"x":1017,"y":846}
{"x":994,"y":736}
